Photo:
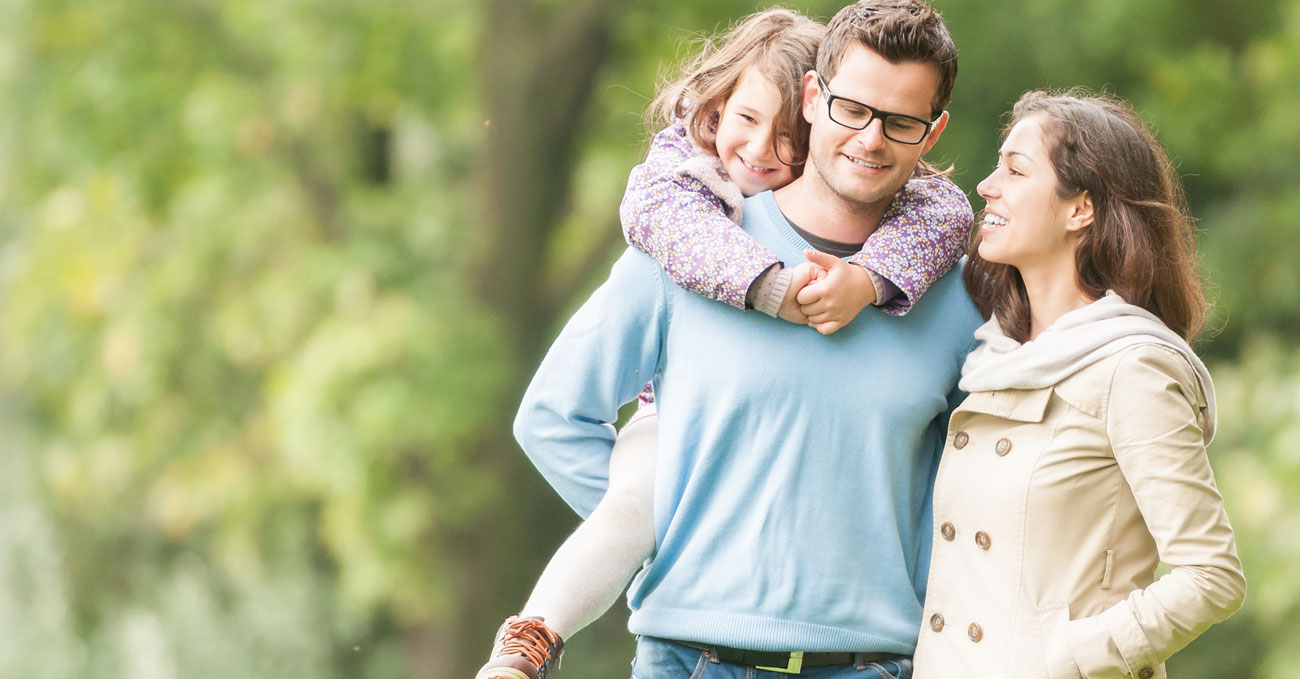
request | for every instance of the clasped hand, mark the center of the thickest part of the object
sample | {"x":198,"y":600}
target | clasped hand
{"x":826,"y":292}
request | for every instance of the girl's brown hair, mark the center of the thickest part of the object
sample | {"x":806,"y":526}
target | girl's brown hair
{"x":1140,"y":243}
{"x":778,"y":43}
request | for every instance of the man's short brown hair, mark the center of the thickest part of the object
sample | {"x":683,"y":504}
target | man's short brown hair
{"x":901,"y":31}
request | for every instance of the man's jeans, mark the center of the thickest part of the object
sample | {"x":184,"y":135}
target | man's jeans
{"x":662,"y":659}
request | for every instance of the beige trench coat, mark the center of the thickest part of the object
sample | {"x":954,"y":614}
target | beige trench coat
{"x":1052,"y":508}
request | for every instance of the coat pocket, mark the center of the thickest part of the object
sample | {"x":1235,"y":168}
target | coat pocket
{"x":1052,"y":622}
{"x":1110,"y":567}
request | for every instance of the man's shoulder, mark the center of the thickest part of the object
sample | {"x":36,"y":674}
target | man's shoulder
{"x":632,"y":294}
{"x":948,"y":303}
{"x":634,"y":267}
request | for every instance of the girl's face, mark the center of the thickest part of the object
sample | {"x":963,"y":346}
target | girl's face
{"x":746,"y":128}
{"x":1026,"y":223}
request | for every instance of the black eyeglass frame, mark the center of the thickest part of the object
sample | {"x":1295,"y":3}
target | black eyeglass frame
{"x":876,"y":114}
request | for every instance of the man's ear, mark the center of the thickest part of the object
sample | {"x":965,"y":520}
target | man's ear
{"x":935,"y":131}
{"x":1081,"y":213}
{"x":811,"y":93}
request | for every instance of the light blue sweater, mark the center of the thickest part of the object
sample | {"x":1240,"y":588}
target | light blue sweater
{"x":792,"y":497}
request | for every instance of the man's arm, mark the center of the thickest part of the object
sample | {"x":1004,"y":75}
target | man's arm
{"x":603,"y":357}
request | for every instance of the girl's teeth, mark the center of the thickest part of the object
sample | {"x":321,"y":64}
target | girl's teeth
{"x":994,"y":220}
{"x":755,"y":169}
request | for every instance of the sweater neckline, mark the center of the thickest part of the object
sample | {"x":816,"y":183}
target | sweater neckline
{"x":767,"y":202}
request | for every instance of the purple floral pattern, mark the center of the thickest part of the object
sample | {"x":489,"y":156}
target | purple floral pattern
{"x":923,"y":234}
{"x":684,"y":226}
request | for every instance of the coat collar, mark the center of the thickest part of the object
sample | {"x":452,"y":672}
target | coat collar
{"x":1022,"y":405}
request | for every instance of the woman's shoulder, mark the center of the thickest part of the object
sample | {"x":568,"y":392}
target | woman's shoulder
{"x":1132,"y":375}
{"x":1151,"y":362}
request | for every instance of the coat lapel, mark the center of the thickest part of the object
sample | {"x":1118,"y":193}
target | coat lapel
{"x":1022,"y":405}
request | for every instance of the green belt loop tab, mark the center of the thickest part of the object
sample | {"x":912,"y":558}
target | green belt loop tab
{"x":793,"y":667}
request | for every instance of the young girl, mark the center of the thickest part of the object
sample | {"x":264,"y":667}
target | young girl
{"x":735,"y":129}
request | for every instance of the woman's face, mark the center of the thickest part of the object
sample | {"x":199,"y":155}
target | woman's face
{"x":1026,"y":224}
{"x":746,"y":129}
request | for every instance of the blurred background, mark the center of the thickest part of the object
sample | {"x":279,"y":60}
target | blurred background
{"x":273,"y":275}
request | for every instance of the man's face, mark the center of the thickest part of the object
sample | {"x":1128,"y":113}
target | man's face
{"x":863,"y":167}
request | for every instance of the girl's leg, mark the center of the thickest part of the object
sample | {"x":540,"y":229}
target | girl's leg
{"x":594,"y":564}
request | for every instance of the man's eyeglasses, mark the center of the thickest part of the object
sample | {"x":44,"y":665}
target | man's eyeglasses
{"x":856,"y":115}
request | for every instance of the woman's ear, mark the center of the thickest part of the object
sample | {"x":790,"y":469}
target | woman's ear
{"x":1081,"y":213}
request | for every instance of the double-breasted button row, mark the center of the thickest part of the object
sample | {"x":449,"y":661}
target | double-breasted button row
{"x":974,"y":632}
{"x":1002,"y":447}
{"x":949,"y":533}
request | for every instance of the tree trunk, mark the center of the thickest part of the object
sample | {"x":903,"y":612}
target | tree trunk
{"x":539,"y":66}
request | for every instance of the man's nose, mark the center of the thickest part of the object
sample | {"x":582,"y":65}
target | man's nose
{"x":872,"y":136}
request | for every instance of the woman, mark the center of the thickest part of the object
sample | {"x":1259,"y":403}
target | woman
{"x":1078,"y":461}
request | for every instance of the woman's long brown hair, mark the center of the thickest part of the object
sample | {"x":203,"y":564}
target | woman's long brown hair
{"x":1140,"y":244}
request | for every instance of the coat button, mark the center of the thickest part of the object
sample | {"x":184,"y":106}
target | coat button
{"x":1146,"y":673}
{"x":975,"y":633}
{"x":948,"y":531}
{"x":1003,"y":447}
{"x":960,"y":440}
{"x":982,"y":539}
{"x":936,"y":622}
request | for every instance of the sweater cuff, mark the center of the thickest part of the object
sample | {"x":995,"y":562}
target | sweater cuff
{"x":886,"y":291}
{"x":769,"y":290}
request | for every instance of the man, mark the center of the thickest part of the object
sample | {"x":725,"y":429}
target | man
{"x":792,"y":494}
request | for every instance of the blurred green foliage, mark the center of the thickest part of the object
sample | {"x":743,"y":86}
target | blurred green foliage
{"x":273,"y":275}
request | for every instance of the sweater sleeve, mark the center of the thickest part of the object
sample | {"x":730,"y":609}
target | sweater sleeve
{"x":1152,"y":425}
{"x":922,"y":235}
{"x":671,"y":215}
{"x":602,"y":358}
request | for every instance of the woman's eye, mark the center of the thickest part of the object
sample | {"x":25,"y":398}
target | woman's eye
{"x":748,"y":119}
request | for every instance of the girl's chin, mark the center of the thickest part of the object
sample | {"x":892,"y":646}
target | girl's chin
{"x":751,"y":183}
{"x":755,"y":189}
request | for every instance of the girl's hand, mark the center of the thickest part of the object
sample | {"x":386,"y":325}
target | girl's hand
{"x":831,"y":301}
{"x":800,"y":276}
